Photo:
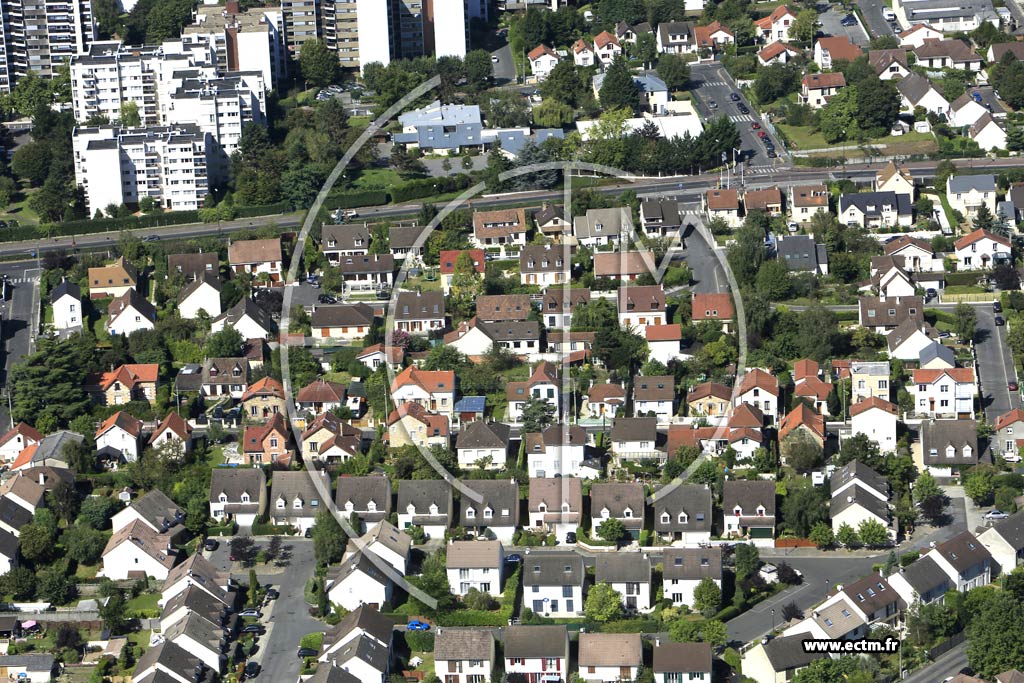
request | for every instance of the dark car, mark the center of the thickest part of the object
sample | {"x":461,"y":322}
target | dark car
{"x":772,"y":154}
{"x":210,"y":545}
{"x":1012,"y":386}
{"x":999,"y":321}
{"x":734,"y":97}
{"x":997,"y":307}
{"x":570,"y":537}
{"x":743,"y":109}
{"x":254,"y":628}
{"x":252,"y":669}
{"x":307,"y":652}
{"x":308,"y":533}
{"x":514,"y":557}
{"x":326,"y":299}
{"x":272,"y":594}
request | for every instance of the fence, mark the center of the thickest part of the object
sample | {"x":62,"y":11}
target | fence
{"x":946,"y":645}
{"x":984,"y":297}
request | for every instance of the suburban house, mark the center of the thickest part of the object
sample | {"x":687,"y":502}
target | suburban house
{"x":817,"y":89}
{"x":683,"y":514}
{"x":768,"y":200}
{"x":376,"y":355}
{"x":883,"y":314}
{"x":621,"y":501}
{"x":609,"y":657}
{"x":965,"y":560}
{"x":321,"y":395}
{"x":988,"y":133}
{"x":118,"y":437}
{"x":544,"y":383}
{"x":965,"y":111}
{"x":724,"y":204}
{"x":777,"y":53}
{"x":776,"y":25}
{"x":495,"y":514}
{"x":433,"y":390}
{"x":859,"y":494}
{"x":129,"y":313}
{"x":543,"y":265}
{"x":949,"y":444}
{"x":475,"y":565}
{"x":805,"y":420}
{"x":604,"y":400}
{"x":807,"y":200}
{"x":917,"y":34}
{"x":367,"y":499}
{"x":760,"y":389}
{"x":389,"y":544}
{"x":412,"y":424}
{"x":606,"y":47}
{"x":173,"y":436}
{"x":875,"y":418}
{"x":966,"y":193}
{"x":917,"y":91}
{"x":501,"y":232}
{"x":921,"y":581}
{"x":917,"y":254}
{"x":641,"y":306}
{"x":499,"y":308}
{"x":749,"y":509}
{"x":426,"y":504}
{"x":350,"y":239}
{"x":558,"y":451}
{"x":535,"y":652}
{"x":419,"y":312}
{"x":655,"y":395}
{"x":712,"y":37}
{"x":341,"y":321}
{"x":635,"y":438}
{"x":583,"y":54}
{"x":869,"y":378}
{"x":135,"y":551}
{"x":677,"y":662}
{"x":981,"y":249}
{"x":684,"y":568}
{"x":248,"y":319}
{"x":944,"y":392}
{"x":268,"y":443}
{"x":706,"y":306}
{"x":130,"y":382}
{"x":889,"y":64}
{"x":558,"y":304}
{"x":664,"y":342}
{"x":1009,"y":429}
{"x":238,"y":493}
{"x":402,"y":241}
{"x":910,"y":339}
{"x":1005,"y":543}
{"x":17,"y":439}
{"x":193,"y":266}
{"x":225,"y":377}
{"x":628,"y":576}
{"x":294,"y":500}
{"x":876,"y":209}
{"x":832,"y":49}
{"x":369,"y":272}
{"x":481,"y":441}
{"x":676,"y":37}
{"x":553,"y":584}
{"x":263,"y":398}
{"x":660,"y":217}
{"x":556,"y":505}
{"x":475,"y":338}
{"x":463,"y":655}
{"x":542,"y":60}
{"x":66,"y":303}
{"x":709,"y":399}
{"x":777,"y":660}
{"x":202,"y":294}
{"x":358,"y":582}
{"x":598,"y":227}
{"x":809,"y":385}
{"x":947,"y":54}
{"x":449,"y":260}
{"x":112,"y":281}
{"x":262,"y":259}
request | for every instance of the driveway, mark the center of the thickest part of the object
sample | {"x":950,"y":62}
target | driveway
{"x":18,"y":318}
{"x":504,"y":70}
{"x":831,"y":26}
{"x":876,"y":23}
{"x":286,"y":619}
{"x":995,"y":365}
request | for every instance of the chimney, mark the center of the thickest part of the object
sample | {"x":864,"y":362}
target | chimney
{"x":42,"y":478}
{"x":231,"y":7}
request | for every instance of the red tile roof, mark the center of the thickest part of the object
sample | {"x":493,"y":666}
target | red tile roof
{"x":712,"y":307}
{"x":872,"y":402}
{"x":130,"y":375}
{"x":961,"y":375}
{"x":264,"y":386}
{"x":123,"y":420}
{"x":756,"y":378}
{"x":176,"y":423}
{"x":672,"y":332}
{"x":804,"y":416}
{"x":450,"y":257}
{"x":431,"y":381}
{"x":977,"y":235}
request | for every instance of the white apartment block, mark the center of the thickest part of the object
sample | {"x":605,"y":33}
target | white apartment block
{"x":37,"y":36}
{"x":120,"y":166}
{"x":242,"y":41}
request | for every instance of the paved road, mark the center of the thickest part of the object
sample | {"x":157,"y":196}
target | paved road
{"x":708,"y":274}
{"x":504,"y":70}
{"x":711,"y":82}
{"x":947,"y":665}
{"x":995,"y":365}
{"x":18,"y":317}
{"x":287,"y":619}
{"x":831,"y":21}
{"x":875,"y":22}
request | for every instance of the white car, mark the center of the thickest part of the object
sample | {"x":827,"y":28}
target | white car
{"x":1011,"y":457}
{"x":494,"y":59}
{"x":996,"y":514}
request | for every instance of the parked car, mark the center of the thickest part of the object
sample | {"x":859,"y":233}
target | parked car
{"x":996,"y":514}
{"x":326,"y":299}
{"x":743,"y":109}
{"x":1012,"y":385}
{"x":251,"y":612}
{"x":999,"y":321}
{"x":272,"y":594}
{"x":494,"y":59}
{"x":755,"y":126}
{"x":997,"y":307}
{"x":252,"y":669}
{"x":712,"y":104}
{"x":1011,"y":457}
{"x":734,"y":97}
{"x":417,"y":625}
{"x":211,"y":545}
{"x":570,"y":537}
{"x":307,"y":652}
{"x":254,"y":628}
{"x":514,"y":557}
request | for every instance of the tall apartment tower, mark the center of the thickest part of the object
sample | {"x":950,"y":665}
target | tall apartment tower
{"x":37,"y":36}
{"x":365,"y":31}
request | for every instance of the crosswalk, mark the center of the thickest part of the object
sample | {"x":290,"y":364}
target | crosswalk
{"x":21,"y":280}
{"x":741,"y":118}
{"x":711,"y":84}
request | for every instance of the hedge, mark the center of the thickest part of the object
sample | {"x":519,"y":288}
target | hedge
{"x":428,"y":187}
{"x":730,"y":612}
{"x":221,"y":530}
{"x":630,"y":626}
{"x":472,"y":617}
{"x":349,"y":200}
{"x":267,"y":529}
{"x":420,"y":641}
{"x":261,"y":209}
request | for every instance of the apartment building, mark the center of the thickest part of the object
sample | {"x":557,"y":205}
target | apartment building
{"x":242,"y":41}
{"x":121,"y":165}
{"x":37,"y":36}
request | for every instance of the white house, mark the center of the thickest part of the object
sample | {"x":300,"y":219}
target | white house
{"x":362,"y":622}
{"x":775,"y":26}
{"x":130,"y":312}
{"x":760,"y":389}
{"x":389,"y":544}
{"x":655,"y":396}
{"x":583,"y":54}
{"x":475,"y":564}
{"x":294,"y":500}
{"x":553,"y":584}
{"x":558,"y":451}
{"x":748,"y":508}
{"x":628,"y":576}
{"x":474,"y":337}
{"x":860,"y":494}
{"x":981,"y":249}
{"x":154,"y":510}
{"x":610,"y":657}
{"x":916,"y":35}
{"x":483,"y":441}
{"x":490,"y":508}
{"x":419,"y":312}
{"x":463,"y":655}
{"x":544,"y":265}
{"x":66,"y":303}
{"x":542,"y":60}
{"x":239,"y":493}
{"x":251,"y":321}
{"x":203,"y":294}
{"x":433,"y":390}
{"x":917,"y":91}
{"x":535,"y":651}
{"x":544,"y":383}
{"x":988,"y":133}
{"x":677,"y":662}
{"x":137,"y":550}
{"x":965,"y":560}
{"x":944,"y":392}
{"x":118,"y":437}
{"x":357,"y":581}
{"x":623,"y":501}
{"x":1004,"y":543}
{"x":829,"y":50}
{"x":683,"y":569}
{"x":607,"y":47}
{"x":641,"y":306}
{"x":663,"y":342}
{"x":876,"y":419}
{"x":426,"y":504}
{"x":556,"y":505}
{"x":17,"y":439}
{"x":635,"y":438}
{"x":965,"y":111}
{"x":966,"y":193}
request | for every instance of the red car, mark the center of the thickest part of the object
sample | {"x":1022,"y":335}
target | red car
{"x":1013,"y":386}
{"x":755,"y":126}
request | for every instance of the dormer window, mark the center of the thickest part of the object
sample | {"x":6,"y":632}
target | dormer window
{"x":350,"y":506}
{"x":488,"y":513}
{"x":411,"y":509}
{"x":737,"y":511}
{"x":543,"y":507}
{"x":297,"y":504}
{"x":433,"y":509}
{"x":470,"y":513}
{"x":760,"y":511}
{"x":605,"y":513}
{"x":223,"y":497}
{"x":280,"y":504}
{"x":627,"y":513}
{"x":683,"y":519}
{"x":665,"y":518}
{"x":245,"y":498}
{"x":371,"y":506}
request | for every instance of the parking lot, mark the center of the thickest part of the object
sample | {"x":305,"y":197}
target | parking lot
{"x":831,"y":25}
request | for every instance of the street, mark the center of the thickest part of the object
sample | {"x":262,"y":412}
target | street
{"x":949,"y":664}
{"x":286,"y":619}
{"x":876,"y":23}
{"x":995,"y":365}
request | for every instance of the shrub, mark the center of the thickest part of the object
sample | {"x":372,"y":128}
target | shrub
{"x":730,"y":612}
{"x":906,"y":559}
{"x":420,"y":641}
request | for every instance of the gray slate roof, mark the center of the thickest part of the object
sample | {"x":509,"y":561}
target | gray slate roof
{"x":623,"y":568}
{"x":421,"y":493}
{"x":871,"y":203}
{"x":234,"y":481}
{"x":1011,"y":530}
{"x":966,"y":183}
{"x":788,"y":652}
{"x":500,"y":495}
{"x":159,"y":510}
{"x":419,"y":306}
{"x":682,"y":658}
{"x":692,"y":564}
{"x":457,"y":644}
{"x":531,"y":642}
{"x":553,"y":569}
{"x":65,"y":288}
{"x":360,"y":491}
{"x":858,"y":471}
{"x":693,"y":499}
{"x":480,"y":434}
{"x":801,"y":252}
{"x":925,"y":575}
{"x":914,"y":86}
{"x":936,"y":435}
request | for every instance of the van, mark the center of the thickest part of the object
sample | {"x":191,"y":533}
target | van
{"x":889,"y":14}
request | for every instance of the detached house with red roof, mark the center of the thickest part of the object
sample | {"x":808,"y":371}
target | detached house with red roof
{"x":321,"y":395}
{"x":174,"y":432}
{"x":542,"y":60}
{"x":433,"y":390}
{"x":876,"y":419}
{"x":944,"y":393}
{"x":501,"y":232}
{"x":760,"y":389}
{"x":817,"y":89}
{"x":724,"y":204}
{"x":268,"y":444}
{"x":777,"y":53}
{"x":117,"y":438}
{"x":262,"y":259}
{"x":664,"y":342}
{"x":776,"y":25}
{"x":801,"y":419}
{"x":717,"y":307}
{"x":713,"y":37}
{"x":809,"y":386}
{"x":544,"y":383}
{"x":642,"y":306}
{"x":832,"y":49}
{"x":412,"y":424}
{"x":129,"y":382}
{"x":263,"y":398}
{"x":449,"y":260}
{"x":17,"y":439}
{"x":981,"y":249}
{"x":1009,"y":432}
{"x":583,"y":54}
{"x":607,"y":47}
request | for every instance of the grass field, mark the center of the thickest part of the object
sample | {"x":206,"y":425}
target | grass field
{"x":377,"y":179}
{"x":805,"y":137}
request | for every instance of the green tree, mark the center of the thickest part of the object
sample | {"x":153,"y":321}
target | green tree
{"x":37,"y":541}
{"x":800,"y":450}
{"x":872,"y":533}
{"x":707,"y":598}
{"x":31,"y":161}
{"x":96,"y":511}
{"x":775,"y":81}
{"x":8,"y":190}
{"x":674,"y":70}
{"x":965,"y":321}
{"x":224,"y":344}
{"x":983,"y":218}
{"x":318,"y":63}
{"x":537,"y":415}
{"x":837,"y":120}
{"x":552,"y":114}
{"x":478,"y":68}
{"x":928,"y":496}
{"x":329,"y":539}
{"x":748,"y":561}
{"x":114,"y":613}
{"x":821,"y":535}
{"x":83,"y":544}
{"x":803,"y":508}
{"x":878,"y":105}
{"x":995,"y":641}
{"x":19,"y":583}
{"x":603,"y":604}
{"x":56,"y":584}
{"x":619,"y":90}
{"x":847,"y":536}
{"x":943,"y":171}
{"x":772,"y":281}
{"x":130,"y":117}
{"x":805,"y":27}
{"x":611,"y":530}
{"x":979,"y":486}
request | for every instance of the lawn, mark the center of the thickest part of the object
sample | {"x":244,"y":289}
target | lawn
{"x":216,"y":456}
{"x":804,"y":137}
{"x":20,"y":212}
{"x":963,"y":289}
{"x":359,"y":122}
{"x":144,"y":603}
{"x":377,"y":179}
{"x":84,"y":572}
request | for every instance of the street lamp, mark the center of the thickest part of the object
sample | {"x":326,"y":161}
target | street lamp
{"x":773,"y":620}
